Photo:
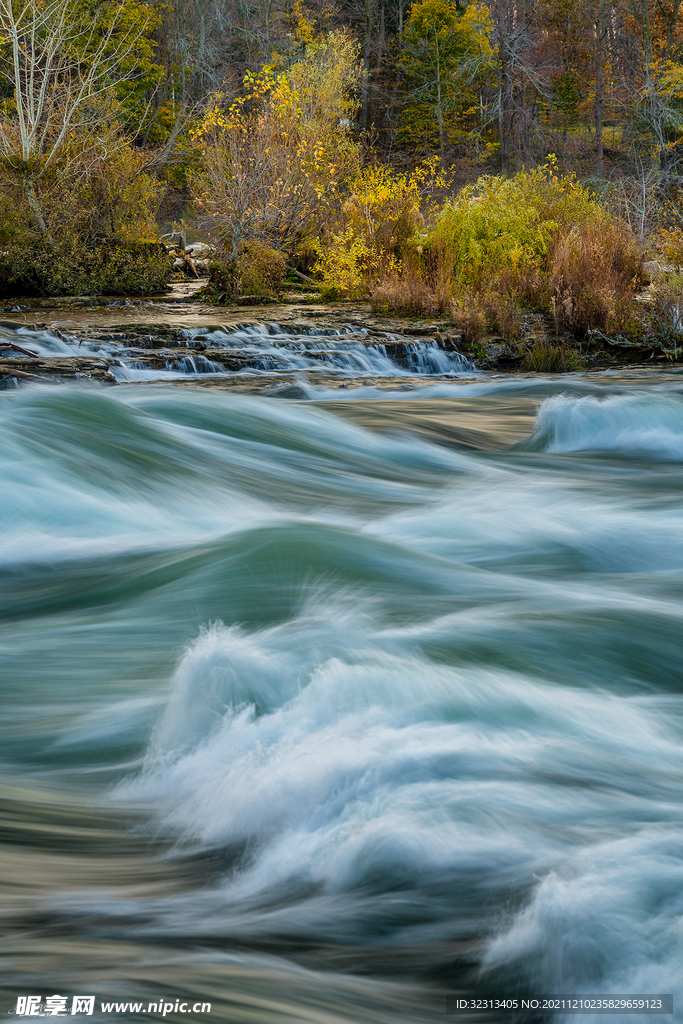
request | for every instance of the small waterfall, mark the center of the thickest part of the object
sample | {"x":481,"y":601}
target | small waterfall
{"x":346,"y":352}
{"x":143,"y":353}
{"x":194,"y":364}
{"x":429,"y":358}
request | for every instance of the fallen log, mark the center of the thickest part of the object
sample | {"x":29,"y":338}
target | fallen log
{"x":18,"y":348}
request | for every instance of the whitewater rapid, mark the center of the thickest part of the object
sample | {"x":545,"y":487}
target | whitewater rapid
{"x":371,"y":691}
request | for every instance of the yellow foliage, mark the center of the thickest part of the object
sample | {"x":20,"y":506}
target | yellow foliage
{"x":668,"y":75}
{"x":273,"y":161}
{"x":343,"y":265}
{"x":383,"y":207}
{"x":304,"y":24}
{"x":476,"y":24}
{"x":376,"y":220}
{"x":669,"y":242}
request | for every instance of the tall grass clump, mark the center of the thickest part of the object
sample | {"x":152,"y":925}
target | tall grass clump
{"x":545,"y":358}
{"x":469,"y":316}
{"x":406,"y":293}
{"x":594,"y":270}
{"x":475,"y":313}
{"x":666,"y":308}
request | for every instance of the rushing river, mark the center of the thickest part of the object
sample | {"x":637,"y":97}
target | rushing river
{"x":335,"y":711}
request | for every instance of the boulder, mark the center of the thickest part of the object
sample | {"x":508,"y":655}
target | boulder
{"x":196,"y":247}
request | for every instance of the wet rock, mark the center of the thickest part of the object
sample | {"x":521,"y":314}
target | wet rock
{"x":256,"y":300}
{"x":195,"y":248}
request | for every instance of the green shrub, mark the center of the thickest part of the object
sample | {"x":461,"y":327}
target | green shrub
{"x":108,"y":268}
{"x":538,"y":240}
{"x":506,"y":224}
{"x":223,"y":285}
{"x":260,"y":269}
{"x":13,"y":227}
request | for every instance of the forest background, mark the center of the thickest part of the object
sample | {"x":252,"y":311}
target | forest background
{"x":467,"y":159}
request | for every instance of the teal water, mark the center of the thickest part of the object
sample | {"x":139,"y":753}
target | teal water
{"x":322,"y":713}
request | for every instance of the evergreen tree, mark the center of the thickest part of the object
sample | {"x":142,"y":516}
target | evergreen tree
{"x":446,"y":55}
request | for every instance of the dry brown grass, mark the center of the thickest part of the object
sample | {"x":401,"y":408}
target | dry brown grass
{"x":667,"y":306}
{"x":594,"y":270}
{"x":474,"y":313}
{"x":407,"y":293}
{"x":588,"y":278}
{"x":469,"y":316}
{"x":527,"y":284}
{"x":503,"y":314}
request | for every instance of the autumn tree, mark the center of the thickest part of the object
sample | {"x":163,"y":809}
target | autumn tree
{"x":63,"y":69}
{"x":272,"y":163}
{"x":652,"y":65}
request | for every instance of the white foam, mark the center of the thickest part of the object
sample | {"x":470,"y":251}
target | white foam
{"x":610,"y":920}
{"x":266,"y":349}
{"x":645,"y":423}
{"x":343,"y":760}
